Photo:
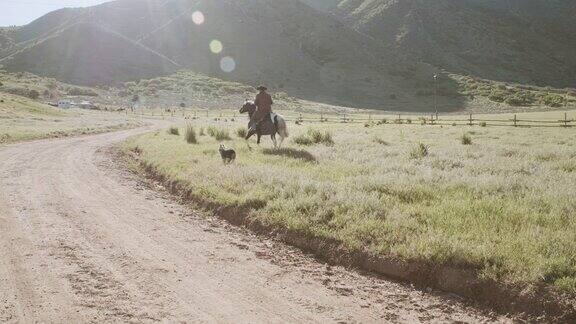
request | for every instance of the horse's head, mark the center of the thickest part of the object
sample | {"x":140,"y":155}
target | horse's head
{"x":249,"y":107}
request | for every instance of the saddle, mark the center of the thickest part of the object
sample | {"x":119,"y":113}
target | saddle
{"x":265,"y":126}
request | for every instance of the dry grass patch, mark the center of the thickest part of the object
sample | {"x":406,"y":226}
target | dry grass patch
{"x":492,"y":206}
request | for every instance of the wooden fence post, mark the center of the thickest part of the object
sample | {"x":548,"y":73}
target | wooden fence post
{"x":515,"y":121}
{"x":565,"y":119}
{"x":470,"y":121}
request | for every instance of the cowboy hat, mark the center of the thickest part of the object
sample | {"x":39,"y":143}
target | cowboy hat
{"x":262,"y":88}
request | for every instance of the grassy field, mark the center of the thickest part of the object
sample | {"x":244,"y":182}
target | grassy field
{"x":24,"y":119}
{"x":501,"y":200}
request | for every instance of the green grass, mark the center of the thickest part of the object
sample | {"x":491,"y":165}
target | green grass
{"x":314,"y":136}
{"x":173,"y":131}
{"x":466,"y":139}
{"x":241,"y":132}
{"x":504,"y":206}
{"x":419,"y":151}
{"x":218,"y":134}
{"x":191,"y":135}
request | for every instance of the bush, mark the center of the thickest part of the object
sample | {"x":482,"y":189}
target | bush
{"x":497,"y":96}
{"x":76,"y":91}
{"x":173,"y":131}
{"x":313,"y":136}
{"x":33,"y":94}
{"x":553,"y":100}
{"x":483,"y":124}
{"x":466,"y":139}
{"x":522,"y":98}
{"x":419,"y":151}
{"x":191,"y":135}
{"x":241,"y":132}
{"x":218,"y":134}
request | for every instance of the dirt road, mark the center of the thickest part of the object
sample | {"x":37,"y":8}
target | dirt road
{"x":83,"y":241}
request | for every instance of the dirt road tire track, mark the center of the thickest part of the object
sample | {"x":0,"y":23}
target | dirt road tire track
{"x":83,"y":241}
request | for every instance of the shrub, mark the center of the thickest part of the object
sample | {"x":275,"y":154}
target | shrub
{"x":218,"y":134}
{"x":521,"y":98}
{"x":241,"y":132}
{"x":497,"y":96}
{"x":33,"y":94}
{"x":483,"y":124}
{"x":313,"y":136}
{"x":76,"y":91}
{"x":211,"y":130}
{"x":173,"y":131}
{"x":466,"y":139}
{"x":319,"y":137}
{"x":553,"y":100}
{"x":191,"y":135}
{"x":419,"y":151}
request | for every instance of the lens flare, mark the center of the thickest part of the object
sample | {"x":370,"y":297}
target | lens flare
{"x":216,"y":46}
{"x":227,"y":64}
{"x":198,"y":17}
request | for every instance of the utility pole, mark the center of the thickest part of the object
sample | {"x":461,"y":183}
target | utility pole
{"x":436,"y":94}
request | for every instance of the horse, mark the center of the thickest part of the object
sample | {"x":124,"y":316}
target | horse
{"x":278,"y":127}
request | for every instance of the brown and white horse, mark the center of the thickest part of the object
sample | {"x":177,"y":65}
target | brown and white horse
{"x":262,"y":128}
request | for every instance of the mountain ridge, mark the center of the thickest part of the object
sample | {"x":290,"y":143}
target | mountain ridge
{"x":524,"y":41}
{"x":287,"y":45}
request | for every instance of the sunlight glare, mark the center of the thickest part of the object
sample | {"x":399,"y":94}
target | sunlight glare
{"x":227,"y":64}
{"x":198,"y":17}
{"x":216,"y":46}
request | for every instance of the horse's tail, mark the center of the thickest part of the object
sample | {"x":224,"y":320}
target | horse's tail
{"x":282,"y":127}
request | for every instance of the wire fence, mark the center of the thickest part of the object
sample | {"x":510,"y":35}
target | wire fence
{"x":483,"y":120}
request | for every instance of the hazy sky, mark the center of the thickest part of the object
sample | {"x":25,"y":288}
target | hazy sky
{"x":21,"y":12}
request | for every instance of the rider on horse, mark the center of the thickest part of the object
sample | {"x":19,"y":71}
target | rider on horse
{"x":264,"y":103}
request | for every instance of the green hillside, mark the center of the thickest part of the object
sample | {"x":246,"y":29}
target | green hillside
{"x":524,"y":41}
{"x":287,"y":45}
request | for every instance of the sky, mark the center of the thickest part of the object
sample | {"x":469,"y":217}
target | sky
{"x":21,"y":12}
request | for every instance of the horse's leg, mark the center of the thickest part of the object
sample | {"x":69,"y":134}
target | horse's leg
{"x":259,"y":137}
{"x":274,"y":140}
